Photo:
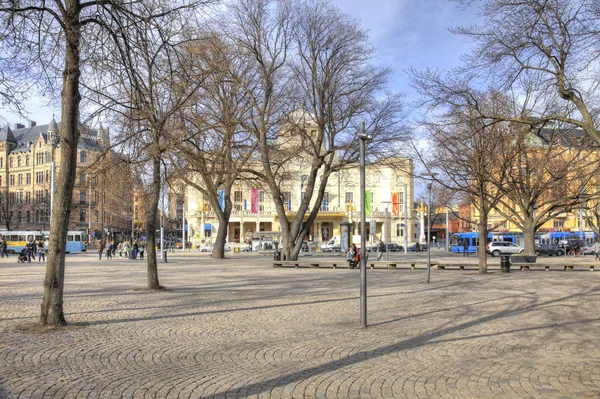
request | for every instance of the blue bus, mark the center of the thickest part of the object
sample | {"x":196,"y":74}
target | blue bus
{"x":472,"y":239}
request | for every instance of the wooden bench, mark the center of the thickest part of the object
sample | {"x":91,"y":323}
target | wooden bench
{"x":570,"y":267}
{"x":522,"y":266}
{"x":443,"y":266}
{"x":344,"y":263}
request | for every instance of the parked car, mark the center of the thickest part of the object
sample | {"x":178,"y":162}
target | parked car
{"x":413,"y":248}
{"x":209,"y":248}
{"x":393,"y":247}
{"x":497,"y":248}
{"x":548,"y":249}
{"x":577,"y":246}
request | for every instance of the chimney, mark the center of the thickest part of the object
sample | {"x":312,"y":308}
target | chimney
{"x":19,"y":126}
{"x":32,"y":123}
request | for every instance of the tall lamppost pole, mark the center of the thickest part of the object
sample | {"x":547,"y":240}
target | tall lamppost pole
{"x":387,"y":229}
{"x":429,"y":185}
{"x":363,"y":228}
{"x":447,"y":230}
{"x":405,"y":219}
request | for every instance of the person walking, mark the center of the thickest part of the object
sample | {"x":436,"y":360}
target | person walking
{"x":100,"y":249}
{"x":120,"y":248}
{"x":41,"y":250}
{"x":109,"y":249}
{"x":466,"y":248}
{"x":135,"y":249}
{"x":126,"y":249}
{"x":380,"y":250}
{"x":596,"y":248}
{"x":3,"y":246}
{"x":142,"y":248}
{"x":31,"y":250}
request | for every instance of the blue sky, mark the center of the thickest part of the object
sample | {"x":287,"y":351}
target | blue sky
{"x":406,"y":33}
{"x":412,"y":33}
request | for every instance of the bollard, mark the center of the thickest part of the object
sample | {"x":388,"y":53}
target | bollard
{"x":165,"y":255}
{"x":505,"y":264}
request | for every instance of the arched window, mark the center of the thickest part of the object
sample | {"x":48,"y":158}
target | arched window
{"x":10,"y":163}
{"x":27,"y":160}
{"x":82,"y":157}
{"x":19,"y":161}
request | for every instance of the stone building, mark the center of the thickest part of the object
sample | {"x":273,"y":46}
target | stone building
{"x":102,"y":200}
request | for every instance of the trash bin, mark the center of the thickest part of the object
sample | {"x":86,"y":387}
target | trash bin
{"x":236,"y":249}
{"x":276,"y":255}
{"x":504,"y":264}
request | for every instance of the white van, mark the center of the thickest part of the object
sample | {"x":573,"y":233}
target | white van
{"x":332,"y":245}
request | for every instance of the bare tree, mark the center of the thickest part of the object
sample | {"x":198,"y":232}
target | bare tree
{"x":313,"y":82}
{"x":50,"y":39}
{"x":550,"y":170}
{"x":210,"y":147}
{"x":145,"y":80}
{"x":551,"y":45}
{"x":463,"y":143}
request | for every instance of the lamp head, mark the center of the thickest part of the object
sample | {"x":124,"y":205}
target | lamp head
{"x":361,"y":132}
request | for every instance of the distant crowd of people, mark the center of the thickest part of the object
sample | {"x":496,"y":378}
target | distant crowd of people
{"x":126,"y":249}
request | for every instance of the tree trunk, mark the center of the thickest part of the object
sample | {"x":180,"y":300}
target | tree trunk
{"x":152,"y":272}
{"x":218,"y":251}
{"x":52,"y":304}
{"x":529,"y":235}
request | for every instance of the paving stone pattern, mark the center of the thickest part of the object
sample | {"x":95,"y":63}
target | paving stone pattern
{"x":241,"y":328}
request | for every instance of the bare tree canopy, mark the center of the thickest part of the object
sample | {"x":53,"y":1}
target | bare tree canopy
{"x":552,"y":46}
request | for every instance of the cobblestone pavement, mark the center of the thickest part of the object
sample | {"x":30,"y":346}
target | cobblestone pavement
{"x":241,"y":328}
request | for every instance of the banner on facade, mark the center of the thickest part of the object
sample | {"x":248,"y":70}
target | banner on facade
{"x":367,"y":202}
{"x":254,"y":200}
{"x":222,"y":200}
{"x":395,"y":204}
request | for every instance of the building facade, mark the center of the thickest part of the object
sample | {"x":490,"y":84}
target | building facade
{"x":389,"y":185}
{"x":30,"y":156}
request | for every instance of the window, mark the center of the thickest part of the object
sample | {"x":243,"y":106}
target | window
{"x":82,"y":157}
{"x":261,"y":199}
{"x":27,"y":160}
{"x":28,"y":216}
{"x":20,"y":179}
{"x":10,"y":162}
{"x":1,"y":162}
{"x":97,"y":216}
{"x":47,"y":175}
{"x":96,"y":197}
{"x":325,"y":204}
{"x":237,"y":196}
{"x":28,"y":197}
{"x":36,"y":217}
{"x":28,"y":178}
{"x":0,"y":180}
{"x":12,"y":180}
{"x":19,"y":161}
{"x":82,"y":197}
{"x":287,"y":198}
{"x":47,"y":156}
{"x":20,"y":197}
{"x":82,"y":217}
{"x":19,"y":216}
{"x":349,"y":199}
{"x":559,"y":224}
{"x":11,"y":198}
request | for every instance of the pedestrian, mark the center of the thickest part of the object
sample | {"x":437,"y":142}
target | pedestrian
{"x":31,"y":250}
{"x":596,"y":249}
{"x":466,"y":248}
{"x":353,"y":257}
{"x":41,"y":251}
{"x":3,"y":246}
{"x":380,"y":250}
{"x":126,"y":249}
{"x":101,"y":246}
{"x":142,"y":249}
{"x":120,"y":248}
{"x":109,"y":248}
{"x":135,"y":249}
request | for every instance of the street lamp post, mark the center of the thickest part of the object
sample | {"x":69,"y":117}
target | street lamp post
{"x":405,"y":219}
{"x":363,"y":228}
{"x":429,"y":186}
{"x":387,"y":229}
{"x":447,"y":230}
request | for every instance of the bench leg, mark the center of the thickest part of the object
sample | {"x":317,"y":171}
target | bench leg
{"x":462,"y":267}
{"x":591,"y":268}
{"x":524,"y":267}
{"x":412,"y":266}
{"x":372,"y":266}
{"x":334,"y":266}
{"x":391,"y":266}
{"x":547,"y":268}
{"x":569,"y":268}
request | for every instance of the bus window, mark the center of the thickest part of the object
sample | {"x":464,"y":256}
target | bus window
{"x":77,"y":237}
{"x":21,"y":238}
{"x":69,"y":238}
